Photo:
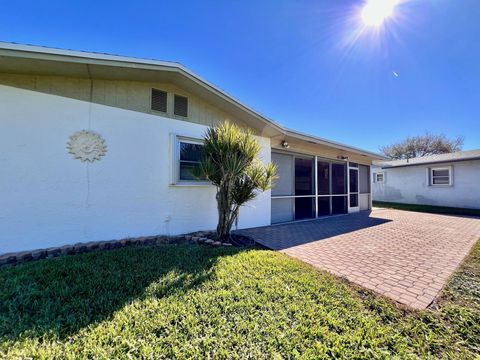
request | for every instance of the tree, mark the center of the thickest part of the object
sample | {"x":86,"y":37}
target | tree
{"x":230,"y":161}
{"x":423,"y":145}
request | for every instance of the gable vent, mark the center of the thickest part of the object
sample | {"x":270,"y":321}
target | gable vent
{"x":180,"y":106}
{"x":159,"y":100}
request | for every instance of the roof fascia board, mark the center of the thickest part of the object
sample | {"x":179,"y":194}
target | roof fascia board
{"x":334,"y":144}
{"x":44,"y":52}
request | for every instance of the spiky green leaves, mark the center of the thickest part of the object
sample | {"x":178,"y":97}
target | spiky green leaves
{"x":231,"y":163}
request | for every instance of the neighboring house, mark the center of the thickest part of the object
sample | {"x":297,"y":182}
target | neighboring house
{"x":442,"y":180}
{"x":99,"y":147}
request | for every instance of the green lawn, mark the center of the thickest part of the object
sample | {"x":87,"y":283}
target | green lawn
{"x":185,"y":301}
{"x":428,"y":208}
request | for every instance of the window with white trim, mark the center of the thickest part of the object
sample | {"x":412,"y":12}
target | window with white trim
{"x":379,"y":177}
{"x":189,"y":155}
{"x":440,"y":176}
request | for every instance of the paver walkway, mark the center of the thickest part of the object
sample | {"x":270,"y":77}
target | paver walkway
{"x":407,"y":256}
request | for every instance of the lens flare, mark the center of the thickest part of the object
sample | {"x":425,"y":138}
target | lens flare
{"x":375,"y":12}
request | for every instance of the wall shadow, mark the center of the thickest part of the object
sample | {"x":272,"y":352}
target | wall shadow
{"x":284,"y":236}
{"x":63,"y":295}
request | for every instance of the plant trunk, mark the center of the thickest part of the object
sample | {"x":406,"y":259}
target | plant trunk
{"x":227,"y":213}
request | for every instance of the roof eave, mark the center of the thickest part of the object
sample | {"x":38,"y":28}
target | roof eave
{"x":334,"y":144}
{"x":44,"y":53}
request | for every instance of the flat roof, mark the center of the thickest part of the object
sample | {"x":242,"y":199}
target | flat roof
{"x":46,"y":60}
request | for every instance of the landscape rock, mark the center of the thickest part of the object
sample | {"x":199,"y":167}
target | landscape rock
{"x":201,"y":237}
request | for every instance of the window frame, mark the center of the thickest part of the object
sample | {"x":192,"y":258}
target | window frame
{"x":176,"y":141}
{"x":376,"y":177}
{"x":450,"y":176}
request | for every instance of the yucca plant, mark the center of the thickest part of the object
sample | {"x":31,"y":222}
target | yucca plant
{"x":230,"y":161}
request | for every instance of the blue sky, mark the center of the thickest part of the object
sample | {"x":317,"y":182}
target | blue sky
{"x":309,"y":65}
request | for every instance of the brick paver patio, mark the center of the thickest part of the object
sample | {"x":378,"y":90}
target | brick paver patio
{"x":407,"y":256}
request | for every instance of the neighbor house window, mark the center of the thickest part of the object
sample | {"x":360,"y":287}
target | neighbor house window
{"x":189,"y":155}
{"x":441,"y":176}
{"x":379,"y":177}
{"x":159,"y":100}
{"x":180,"y":105}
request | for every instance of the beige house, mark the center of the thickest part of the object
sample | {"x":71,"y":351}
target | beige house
{"x":99,"y":147}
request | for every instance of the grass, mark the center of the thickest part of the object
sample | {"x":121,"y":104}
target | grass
{"x":428,"y":208}
{"x":196,"y":302}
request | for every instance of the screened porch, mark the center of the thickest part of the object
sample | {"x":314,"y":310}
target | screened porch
{"x":311,"y":186}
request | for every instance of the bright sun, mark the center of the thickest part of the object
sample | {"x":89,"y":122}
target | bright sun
{"x":375,"y":12}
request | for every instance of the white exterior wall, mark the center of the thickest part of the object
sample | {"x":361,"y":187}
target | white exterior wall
{"x":410,"y":185}
{"x":48,"y":198}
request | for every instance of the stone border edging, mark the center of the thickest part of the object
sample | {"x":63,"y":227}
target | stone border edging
{"x":79,"y":248}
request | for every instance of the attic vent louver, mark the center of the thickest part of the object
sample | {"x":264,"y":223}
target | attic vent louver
{"x":159,"y":100}
{"x":180,"y":106}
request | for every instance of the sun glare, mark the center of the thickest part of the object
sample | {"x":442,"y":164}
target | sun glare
{"x":375,"y":12}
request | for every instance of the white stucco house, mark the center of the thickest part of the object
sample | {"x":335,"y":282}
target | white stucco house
{"x":450,"y":180}
{"x":98,"y":147}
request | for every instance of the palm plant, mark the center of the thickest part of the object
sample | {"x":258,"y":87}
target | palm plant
{"x":230,"y":161}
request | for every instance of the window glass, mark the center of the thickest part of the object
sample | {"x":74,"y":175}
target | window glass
{"x":190,"y":152}
{"x":190,"y":156}
{"x":353,"y":180}
{"x":379,"y":177}
{"x":440,"y":176}
{"x":443,"y":172}
{"x":339,"y":178}
{"x":284,"y":184}
{"x":304,"y":176}
{"x":282,"y":210}
{"x":323,"y":178}
{"x":441,"y":181}
{"x":304,"y":208}
{"x":324,"y":206}
{"x":353,"y":200}
{"x":339,"y":204}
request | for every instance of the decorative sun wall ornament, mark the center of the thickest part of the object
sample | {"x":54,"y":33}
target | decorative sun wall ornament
{"x":86,"y":146}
